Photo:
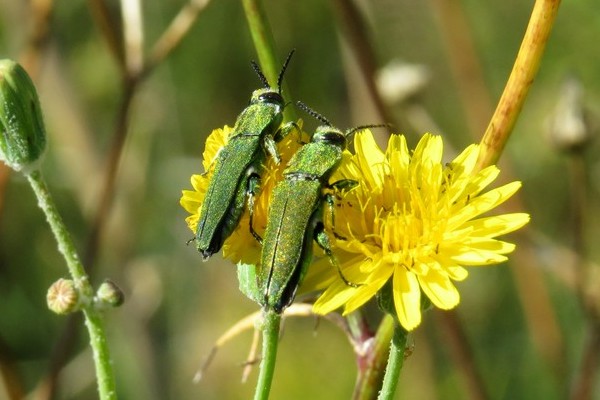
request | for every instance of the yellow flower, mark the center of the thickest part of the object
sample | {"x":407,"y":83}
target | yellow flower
{"x":241,"y":246}
{"x":415,"y":222}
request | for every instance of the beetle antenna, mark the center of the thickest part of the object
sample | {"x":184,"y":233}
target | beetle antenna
{"x":361,"y":127}
{"x":313,"y":113}
{"x":283,"y":68}
{"x":262,"y":76}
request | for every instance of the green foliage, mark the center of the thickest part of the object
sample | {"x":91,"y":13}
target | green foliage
{"x":176,"y":306}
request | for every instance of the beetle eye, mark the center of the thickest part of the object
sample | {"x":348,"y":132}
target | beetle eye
{"x":331,"y":137}
{"x":271,"y":97}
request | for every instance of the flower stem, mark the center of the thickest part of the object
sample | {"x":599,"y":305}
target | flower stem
{"x":395,"y":361}
{"x":93,"y":318}
{"x":270,"y":328}
{"x":264,"y":44}
{"x":520,"y":80}
{"x":371,"y":368}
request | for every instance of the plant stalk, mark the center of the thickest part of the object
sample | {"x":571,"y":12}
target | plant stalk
{"x":93,"y":319}
{"x":270,"y":329}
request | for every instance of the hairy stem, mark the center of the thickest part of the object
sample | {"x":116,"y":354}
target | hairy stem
{"x":394,"y":365}
{"x":93,"y":319}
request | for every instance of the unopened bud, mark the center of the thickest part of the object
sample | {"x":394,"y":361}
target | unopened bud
{"x":22,"y":132}
{"x":110,"y":294}
{"x":63,"y":297}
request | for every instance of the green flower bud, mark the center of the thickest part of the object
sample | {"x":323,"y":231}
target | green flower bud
{"x":22,"y":133}
{"x":110,"y":294}
{"x":63,"y":297}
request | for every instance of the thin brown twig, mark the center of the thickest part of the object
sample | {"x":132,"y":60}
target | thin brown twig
{"x":41,"y":13}
{"x":583,"y":382}
{"x":71,"y":330}
{"x":456,"y":340}
{"x":249,"y":322}
{"x":110,"y":175}
{"x":109,"y":29}
{"x":174,"y":34}
{"x":252,"y":356}
{"x":47,"y":388}
{"x":464,"y":63}
{"x":4,"y":178}
{"x":354,"y":30}
{"x":133,"y":74}
{"x":12,"y":381}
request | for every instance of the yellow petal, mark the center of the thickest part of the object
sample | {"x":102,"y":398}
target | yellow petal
{"x":497,"y":225}
{"x":321,"y":273}
{"x":333,"y":298}
{"x":397,"y":153}
{"x":429,"y":150}
{"x":192,"y":222}
{"x":486,"y":244}
{"x":365,"y":293}
{"x":466,"y":187}
{"x":407,"y":298}
{"x":214,"y":143}
{"x":457,"y":272}
{"x":440,"y":290}
{"x":467,"y":159}
{"x":475,"y":257}
{"x":369,"y":155}
{"x":484,"y":203}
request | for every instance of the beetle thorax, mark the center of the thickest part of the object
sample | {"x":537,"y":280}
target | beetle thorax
{"x":267,"y":96}
{"x":330,"y":135}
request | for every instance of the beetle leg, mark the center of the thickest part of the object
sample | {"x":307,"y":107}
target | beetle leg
{"x":331,"y":204}
{"x":251,"y":191}
{"x":285,"y":129}
{"x":342,"y":184}
{"x":271,"y":148}
{"x":322,"y":240}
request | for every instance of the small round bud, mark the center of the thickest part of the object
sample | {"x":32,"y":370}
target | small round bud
{"x":63,"y":297}
{"x":22,"y":132}
{"x":110,"y":294}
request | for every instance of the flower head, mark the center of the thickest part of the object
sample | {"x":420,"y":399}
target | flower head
{"x":241,"y":246}
{"x":414,"y":222}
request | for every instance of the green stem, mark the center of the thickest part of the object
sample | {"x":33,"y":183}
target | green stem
{"x":372,"y":368}
{"x":270,"y":329}
{"x":395,"y":361}
{"x":264,"y":44}
{"x":93,"y":319}
{"x":65,"y":244}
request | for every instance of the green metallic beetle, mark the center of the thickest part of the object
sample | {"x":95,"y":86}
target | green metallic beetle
{"x":295,"y":216}
{"x":238,"y":165}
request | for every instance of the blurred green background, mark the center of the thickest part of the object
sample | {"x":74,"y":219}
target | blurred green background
{"x":523,"y":320}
